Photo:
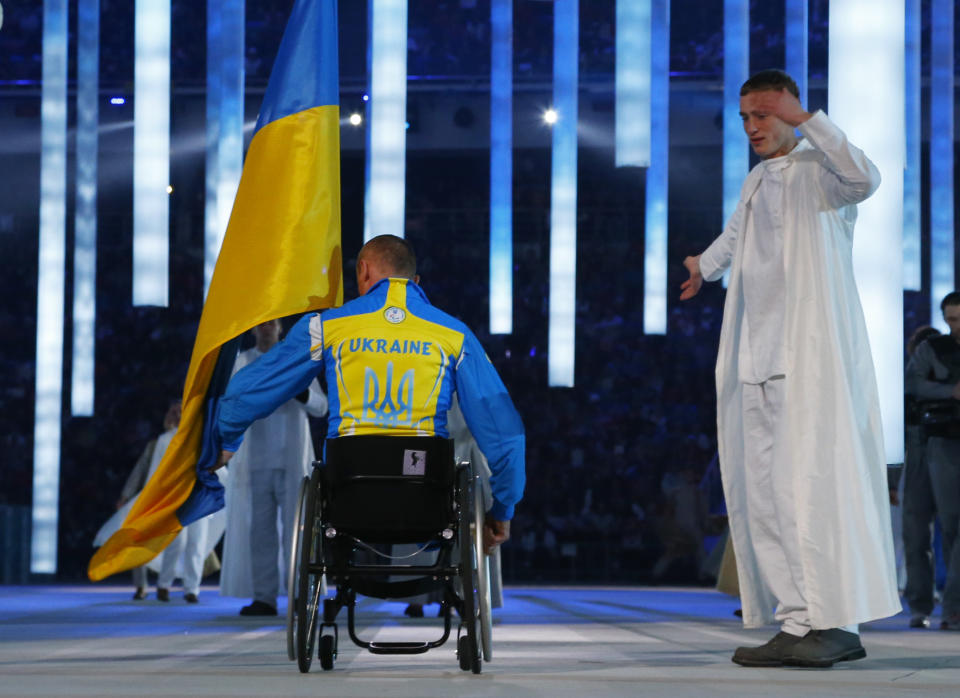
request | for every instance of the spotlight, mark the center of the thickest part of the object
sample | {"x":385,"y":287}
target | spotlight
{"x":356,"y":119}
{"x":366,"y":97}
{"x":169,"y":188}
{"x":117,"y":101}
{"x":550,"y":117}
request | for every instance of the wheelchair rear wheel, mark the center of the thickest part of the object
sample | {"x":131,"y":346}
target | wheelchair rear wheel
{"x":468,"y":646}
{"x":309,"y":576}
{"x":481,"y":563}
{"x":293,"y":576}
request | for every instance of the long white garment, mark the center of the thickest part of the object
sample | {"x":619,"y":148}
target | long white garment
{"x":195,"y":542}
{"x":465,"y":448}
{"x":282,"y":441}
{"x":831,"y":444}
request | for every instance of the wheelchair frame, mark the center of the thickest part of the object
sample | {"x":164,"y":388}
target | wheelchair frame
{"x":318,"y":549}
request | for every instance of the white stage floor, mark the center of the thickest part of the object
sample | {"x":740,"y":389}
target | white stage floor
{"x":586,"y":641}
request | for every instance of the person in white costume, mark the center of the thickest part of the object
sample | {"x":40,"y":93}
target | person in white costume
{"x":261,"y":497}
{"x":465,"y":448}
{"x":184,"y":558}
{"x":798,"y":416}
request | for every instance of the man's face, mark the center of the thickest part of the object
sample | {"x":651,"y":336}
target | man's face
{"x":951,"y":316}
{"x":769,"y":136}
{"x":268,"y":331}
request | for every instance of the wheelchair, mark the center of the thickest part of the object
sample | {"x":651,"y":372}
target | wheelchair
{"x":381,"y":490}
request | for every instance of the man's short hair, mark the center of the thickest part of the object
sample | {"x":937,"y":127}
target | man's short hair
{"x":952,"y":298}
{"x":394,"y":254}
{"x":770,"y":80}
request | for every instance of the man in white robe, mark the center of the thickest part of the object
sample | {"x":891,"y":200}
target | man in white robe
{"x":799,"y":430}
{"x":184,"y":558}
{"x":262,"y":491}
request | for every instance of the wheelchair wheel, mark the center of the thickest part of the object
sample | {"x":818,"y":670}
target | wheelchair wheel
{"x":482,"y":566}
{"x":293,"y":572}
{"x":463,"y":652}
{"x":309,"y":576}
{"x":328,"y":651}
{"x":469,"y":645}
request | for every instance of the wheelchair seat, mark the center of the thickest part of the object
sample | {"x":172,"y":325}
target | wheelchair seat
{"x":372,"y":491}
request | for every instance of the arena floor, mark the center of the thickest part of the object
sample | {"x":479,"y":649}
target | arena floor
{"x":571,"y":641}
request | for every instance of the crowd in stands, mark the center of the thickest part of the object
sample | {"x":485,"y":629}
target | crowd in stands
{"x":447,"y":40}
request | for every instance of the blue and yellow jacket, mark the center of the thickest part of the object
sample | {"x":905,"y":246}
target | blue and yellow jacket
{"x":392,"y":363}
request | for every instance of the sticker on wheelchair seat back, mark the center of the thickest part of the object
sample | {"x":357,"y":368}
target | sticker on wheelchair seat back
{"x":414,"y":462}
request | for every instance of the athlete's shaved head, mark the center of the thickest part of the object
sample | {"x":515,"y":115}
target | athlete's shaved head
{"x":391,"y":254}
{"x":382,"y":257}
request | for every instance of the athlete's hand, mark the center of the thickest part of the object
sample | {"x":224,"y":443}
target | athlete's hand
{"x":224,"y":457}
{"x":494,"y":533}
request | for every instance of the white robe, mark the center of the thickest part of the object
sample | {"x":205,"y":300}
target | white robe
{"x":833,"y":440}
{"x":214,"y":523}
{"x":296,"y":455}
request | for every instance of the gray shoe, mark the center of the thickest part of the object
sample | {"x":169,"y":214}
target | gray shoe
{"x":824,"y":648}
{"x":769,"y":654}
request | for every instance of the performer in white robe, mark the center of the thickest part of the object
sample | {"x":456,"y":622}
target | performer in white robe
{"x":801,"y":449}
{"x":184,"y":558}
{"x":465,"y":448}
{"x":261,"y":496}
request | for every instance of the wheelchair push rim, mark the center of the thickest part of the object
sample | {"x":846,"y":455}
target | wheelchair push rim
{"x":293,"y":568}
{"x":481,"y":563}
{"x":310,"y":579}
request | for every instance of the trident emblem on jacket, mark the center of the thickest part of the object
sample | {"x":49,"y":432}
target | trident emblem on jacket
{"x":395,"y":408}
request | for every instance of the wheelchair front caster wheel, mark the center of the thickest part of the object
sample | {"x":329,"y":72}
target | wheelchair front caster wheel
{"x":463,"y":652}
{"x":328,"y":651}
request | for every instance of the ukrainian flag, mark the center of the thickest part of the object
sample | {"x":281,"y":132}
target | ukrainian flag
{"x":281,"y":256}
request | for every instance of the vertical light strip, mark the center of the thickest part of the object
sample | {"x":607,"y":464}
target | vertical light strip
{"x":632,"y":77}
{"x":213,"y":228}
{"x":151,"y":151}
{"x":736,"y":67}
{"x":225,"y":93}
{"x":561,"y":331}
{"x":501,"y":167}
{"x":85,"y":215}
{"x":383,"y":211}
{"x":50,"y":289}
{"x":230,"y":156}
{"x":655,"y":229}
{"x":911,"y":176}
{"x":941,"y":158}
{"x":796,"y":25}
{"x":867,"y":40}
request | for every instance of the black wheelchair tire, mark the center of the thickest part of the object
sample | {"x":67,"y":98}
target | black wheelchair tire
{"x":463,"y":653}
{"x":308,"y":593}
{"x":293,"y":571}
{"x":328,"y":652}
{"x":469,"y":574}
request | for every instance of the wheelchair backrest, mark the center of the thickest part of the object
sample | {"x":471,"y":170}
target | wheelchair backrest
{"x":389,"y":489}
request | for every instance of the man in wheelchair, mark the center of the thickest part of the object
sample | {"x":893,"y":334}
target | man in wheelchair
{"x":392,"y":363}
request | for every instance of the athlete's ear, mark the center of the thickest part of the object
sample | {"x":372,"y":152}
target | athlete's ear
{"x":416,"y":279}
{"x":363,"y":275}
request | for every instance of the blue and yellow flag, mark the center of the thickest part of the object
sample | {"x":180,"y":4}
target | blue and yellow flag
{"x":281,"y":256}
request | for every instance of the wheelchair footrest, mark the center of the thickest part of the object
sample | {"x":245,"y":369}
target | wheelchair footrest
{"x":399,"y":647}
